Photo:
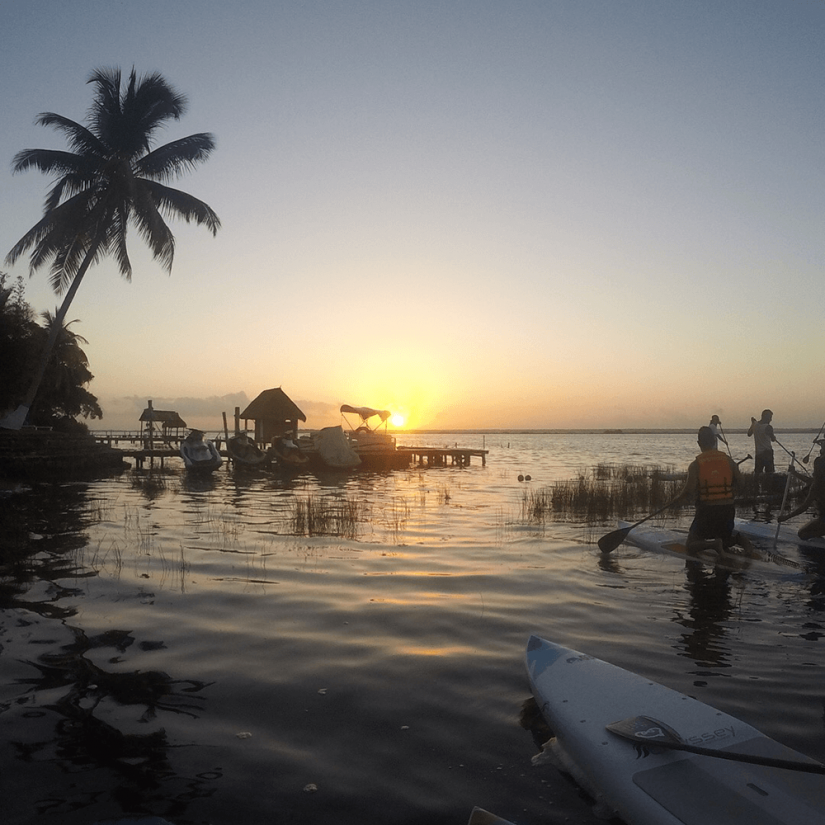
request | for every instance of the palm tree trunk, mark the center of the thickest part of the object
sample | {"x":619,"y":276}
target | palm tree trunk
{"x":15,"y":420}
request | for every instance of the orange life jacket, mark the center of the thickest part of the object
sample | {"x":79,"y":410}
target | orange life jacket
{"x":715,"y":476}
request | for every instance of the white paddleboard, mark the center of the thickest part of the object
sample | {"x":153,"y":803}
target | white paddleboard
{"x":579,"y":696}
{"x":672,"y":543}
{"x":767,"y":532}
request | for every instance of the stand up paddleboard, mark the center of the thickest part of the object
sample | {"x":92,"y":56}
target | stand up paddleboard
{"x":767,"y":532}
{"x":672,"y":543}
{"x":646,"y":784}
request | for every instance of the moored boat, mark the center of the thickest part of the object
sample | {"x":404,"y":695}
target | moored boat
{"x":288,"y":453}
{"x":245,"y":452}
{"x":199,"y":454}
{"x":369,"y":435}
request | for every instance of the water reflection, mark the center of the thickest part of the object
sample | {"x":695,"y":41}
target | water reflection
{"x":40,"y":530}
{"x":82,"y":740}
{"x":711,"y":606}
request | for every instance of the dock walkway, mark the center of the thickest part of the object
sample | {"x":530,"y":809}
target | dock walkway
{"x":161,"y":449}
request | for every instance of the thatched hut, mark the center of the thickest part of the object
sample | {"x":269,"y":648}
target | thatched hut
{"x":161,"y":425}
{"x":275,"y":414}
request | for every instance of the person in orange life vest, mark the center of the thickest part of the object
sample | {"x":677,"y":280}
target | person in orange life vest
{"x":815,"y":496}
{"x":711,"y":480}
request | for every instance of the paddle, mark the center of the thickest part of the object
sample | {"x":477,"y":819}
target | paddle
{"x":748,"y":457}
{"x":647,"y":731}
{"x":784,"y":499}
{"x":725,"y":439}
{"x":818,"y":435}
{"x":609,"y":542}
{"x":792,"y":455}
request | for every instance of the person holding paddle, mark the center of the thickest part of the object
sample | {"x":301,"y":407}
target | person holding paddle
{"x":763,"y":436}
{"x":815,"y":496}
{"x":716,"y":426}
{"x":711,"y":480}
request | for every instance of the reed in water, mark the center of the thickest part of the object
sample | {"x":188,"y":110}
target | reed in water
{"x":608,"y":492}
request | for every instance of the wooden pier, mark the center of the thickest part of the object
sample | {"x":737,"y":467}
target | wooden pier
{"x":442,"y":456}
{"x":162,"y":448}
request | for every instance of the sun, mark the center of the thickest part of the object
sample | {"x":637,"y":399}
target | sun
{"x":397,"y":420}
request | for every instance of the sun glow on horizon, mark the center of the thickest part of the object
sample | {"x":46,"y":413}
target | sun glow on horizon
{"x":398,"y":420}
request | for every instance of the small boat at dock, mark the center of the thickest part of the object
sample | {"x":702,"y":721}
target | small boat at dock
{"x":369,"y":433}
{"x":199,"y":455}
{"x":245,"y":452}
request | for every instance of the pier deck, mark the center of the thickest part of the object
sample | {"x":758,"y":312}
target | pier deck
{"x":420,"y":456}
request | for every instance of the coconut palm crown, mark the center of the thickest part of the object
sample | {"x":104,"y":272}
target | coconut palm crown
{"x":111,"y":178}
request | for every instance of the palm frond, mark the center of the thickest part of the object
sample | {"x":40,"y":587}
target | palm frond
{"x":176,"y":157}
{"x":183,"y":205}
{"x":151,"y":225}
{"x":80,"y":138}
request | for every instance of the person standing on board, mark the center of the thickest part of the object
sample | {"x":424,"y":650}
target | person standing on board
{"x":816,"y":497}
{"x":712,"y":478}
{"x":716,"y":426}
{"x":763,"y":436}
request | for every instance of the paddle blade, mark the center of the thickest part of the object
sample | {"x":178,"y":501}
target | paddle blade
{"x":645,"y":729}
{"x":609,"y":542}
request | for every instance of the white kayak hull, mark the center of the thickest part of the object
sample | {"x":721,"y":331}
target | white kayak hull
{"x":579,"y":695}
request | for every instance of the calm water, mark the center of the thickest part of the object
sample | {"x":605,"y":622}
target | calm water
{"x":168,"y":647}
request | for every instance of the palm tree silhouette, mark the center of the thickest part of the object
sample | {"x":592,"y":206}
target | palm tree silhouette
{"x":112,"y":177}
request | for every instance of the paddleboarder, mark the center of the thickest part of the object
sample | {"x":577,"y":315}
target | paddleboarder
{"x":716,"y":426}
{"x":816,"y":497}
{"x":762,"y":432}
{"x":711,"y":480}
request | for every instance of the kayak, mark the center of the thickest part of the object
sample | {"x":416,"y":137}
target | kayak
{"x":649,"y":784}
{"x":787,"y":535}
{"x":672,"y":543}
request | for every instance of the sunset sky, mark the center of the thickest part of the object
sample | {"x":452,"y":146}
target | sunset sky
{"x":546,"y":214}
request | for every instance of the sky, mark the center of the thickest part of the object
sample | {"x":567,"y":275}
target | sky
{"x":554,"y":214}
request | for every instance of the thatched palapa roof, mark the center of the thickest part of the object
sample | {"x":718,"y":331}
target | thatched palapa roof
{"x":273,"y":404}
{"x":167,"y":418}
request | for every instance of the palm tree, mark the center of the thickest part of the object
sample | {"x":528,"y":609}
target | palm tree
{"x":111,"y":178}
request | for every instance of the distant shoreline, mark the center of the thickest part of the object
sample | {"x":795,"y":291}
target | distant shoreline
{"x":597,"y":431}
{"x":557,"y":431}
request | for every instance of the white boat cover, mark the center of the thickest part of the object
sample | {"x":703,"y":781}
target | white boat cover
{"x":366,"y":412}
{"x":334,"y":449}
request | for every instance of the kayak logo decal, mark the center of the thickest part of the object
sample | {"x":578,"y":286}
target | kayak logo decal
{"x":650,"y":733}
{"x":720,"y":733}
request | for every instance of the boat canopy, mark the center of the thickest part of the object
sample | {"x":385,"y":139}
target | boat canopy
{"x":366,"y":412}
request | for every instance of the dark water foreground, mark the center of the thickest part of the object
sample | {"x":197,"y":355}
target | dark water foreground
{"x":167,"y":647}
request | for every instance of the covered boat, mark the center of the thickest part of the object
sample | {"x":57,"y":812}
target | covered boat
{"x":369,"y":433}
{"x":198,"y":454}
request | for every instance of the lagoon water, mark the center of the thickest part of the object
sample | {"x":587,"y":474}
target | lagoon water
{"x":168,"y":646}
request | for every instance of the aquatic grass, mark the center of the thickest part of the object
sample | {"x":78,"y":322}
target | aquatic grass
{"x":615,"y":491}
{"x":322,"y":516}
{"x":604,"y":493}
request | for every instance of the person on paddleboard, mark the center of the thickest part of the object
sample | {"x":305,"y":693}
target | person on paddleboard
{"x":816,"y":497}
{"x":716,"y":426}
{"x":712,"y":478}
{"x":763,"y":436}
